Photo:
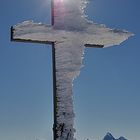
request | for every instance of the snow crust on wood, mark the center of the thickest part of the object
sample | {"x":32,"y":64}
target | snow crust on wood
{"x":92,"y":34}
{"x":68,"y":63}
{"x":69,"y":14}
{"x":70,"y":32}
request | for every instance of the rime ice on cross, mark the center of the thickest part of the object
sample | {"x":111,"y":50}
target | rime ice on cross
{"x":69,"y":34}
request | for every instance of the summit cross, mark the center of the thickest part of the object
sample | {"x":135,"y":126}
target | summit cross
{"x":69,"y":34}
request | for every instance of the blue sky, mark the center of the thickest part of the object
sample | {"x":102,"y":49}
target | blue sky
{"x":106,"y":94}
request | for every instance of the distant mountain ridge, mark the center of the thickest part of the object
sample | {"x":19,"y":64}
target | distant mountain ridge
{"x":109,"y":136}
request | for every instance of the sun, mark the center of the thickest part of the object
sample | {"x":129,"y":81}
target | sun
{"x":60,"y":1}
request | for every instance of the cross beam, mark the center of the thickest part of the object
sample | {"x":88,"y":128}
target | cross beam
{"x":69,"y":28}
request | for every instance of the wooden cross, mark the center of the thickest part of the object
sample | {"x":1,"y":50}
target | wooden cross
{"x":69,"y":33}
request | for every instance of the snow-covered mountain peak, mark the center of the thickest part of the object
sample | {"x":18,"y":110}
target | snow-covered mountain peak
{"x":122,"y":138}
{"x":109,"y":136}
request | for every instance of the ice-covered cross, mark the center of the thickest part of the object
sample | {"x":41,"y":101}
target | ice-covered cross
{"x":69,"y":34}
